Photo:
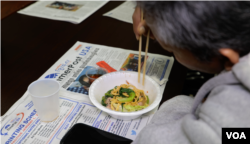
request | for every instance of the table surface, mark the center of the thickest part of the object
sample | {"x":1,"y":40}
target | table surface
{"x":9,"y":7}
{"x":31,"y":45}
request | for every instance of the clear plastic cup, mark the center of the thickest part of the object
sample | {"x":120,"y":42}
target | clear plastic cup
{"x":94,"y":73}
{"x":44,"y":94}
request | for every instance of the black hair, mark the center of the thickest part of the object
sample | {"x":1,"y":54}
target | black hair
{"x":83,"y":82}
{"x":202,"y":27}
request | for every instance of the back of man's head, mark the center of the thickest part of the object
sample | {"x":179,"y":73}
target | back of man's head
{"x":202,"y":27}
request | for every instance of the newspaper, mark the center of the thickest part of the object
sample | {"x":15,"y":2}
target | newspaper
{"x":21,"y":124}
{"x":71,"y":11}
{"x":123,"y":12}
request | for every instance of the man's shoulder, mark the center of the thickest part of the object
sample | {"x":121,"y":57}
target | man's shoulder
{"x":227,"y":105}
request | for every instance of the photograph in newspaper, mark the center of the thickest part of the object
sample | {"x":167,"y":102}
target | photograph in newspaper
{"x":82,"y":83}
{"x":85,"y":79}
{"x":64,"y":6}
{"x":131,"y":63}
{"x":70,"y":11}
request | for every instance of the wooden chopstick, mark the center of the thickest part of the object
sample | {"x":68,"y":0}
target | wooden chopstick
{"x":145,"y":58}
{"x":140,"y":45}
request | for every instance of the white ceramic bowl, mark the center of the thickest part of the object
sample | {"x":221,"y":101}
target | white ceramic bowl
{"x":108,"y":81}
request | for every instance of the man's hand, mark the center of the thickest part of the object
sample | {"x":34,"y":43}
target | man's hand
{"x":140,"y":27}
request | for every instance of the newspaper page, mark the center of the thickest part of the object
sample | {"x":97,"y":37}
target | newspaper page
{"x":71,"y":11}
{"x":21,"y":124}
{"x":123,"y":12}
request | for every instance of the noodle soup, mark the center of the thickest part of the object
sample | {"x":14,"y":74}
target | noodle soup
{"x":125,"y":98}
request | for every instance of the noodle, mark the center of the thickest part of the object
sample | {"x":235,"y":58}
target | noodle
{"x":126,"y":97}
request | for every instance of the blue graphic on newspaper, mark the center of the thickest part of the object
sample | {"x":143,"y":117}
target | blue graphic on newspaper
{"x":53,"y":75}
{"x":164,"y":70}
{"x":133,"y":132}
{"x":62,"y":66}
{"x":4,"y":130}
{"x":13,"y":123}
{"x":19,"y":124}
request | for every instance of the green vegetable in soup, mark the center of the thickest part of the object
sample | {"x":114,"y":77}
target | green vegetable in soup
{"x":130,"y":98}
{"x":108,"y":94}
{"x":147,"y":100}
{"x":103,"y":101}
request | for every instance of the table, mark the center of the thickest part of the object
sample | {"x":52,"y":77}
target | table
{"x":9,"y":7}
{"x":31,"y":45}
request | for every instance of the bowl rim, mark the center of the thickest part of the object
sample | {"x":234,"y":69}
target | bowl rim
{"x":143,"y":111}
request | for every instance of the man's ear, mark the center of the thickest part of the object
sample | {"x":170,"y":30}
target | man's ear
{"x":232,"y":56}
